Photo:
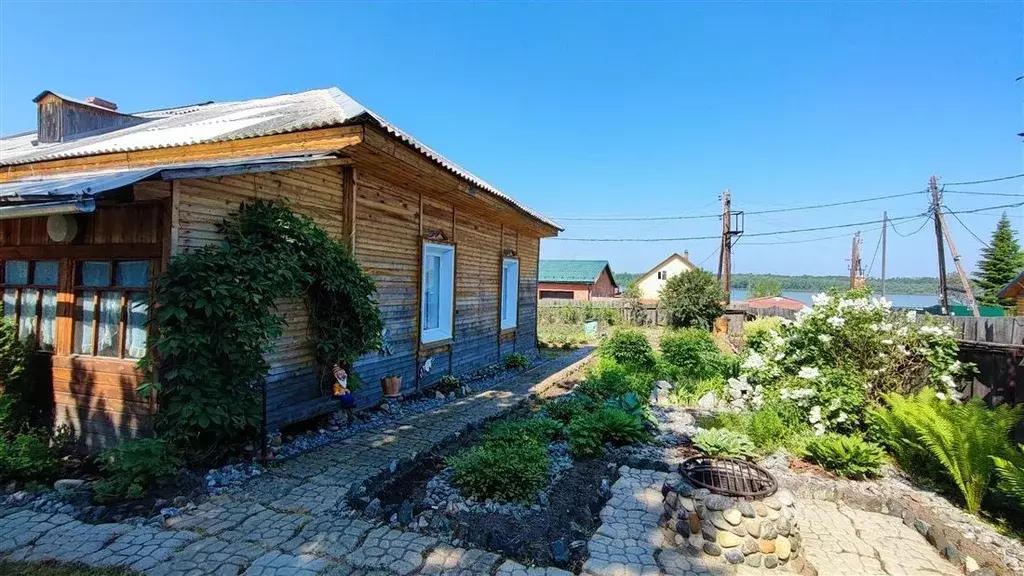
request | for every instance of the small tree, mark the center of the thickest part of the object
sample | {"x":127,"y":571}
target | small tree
{"x":692,"y":299}
{"x":765,"y":288}
{"x":1000,"y":263}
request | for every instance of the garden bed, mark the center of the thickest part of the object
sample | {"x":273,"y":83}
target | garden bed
{"x":551,"y":530}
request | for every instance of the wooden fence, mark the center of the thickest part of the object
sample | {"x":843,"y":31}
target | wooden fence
{"x":635,"y":313}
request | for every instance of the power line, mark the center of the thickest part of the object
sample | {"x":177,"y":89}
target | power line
{"x":976,"y":210}
{"x":983,"y":193}
{"x":972,"y":182}
{"x":773,"y":233}
{"x":875,"y":255}
{"x":928,"y":218}
{"x":969,"y":231}
{"x":806,"y":240}
{"x":745,"y":212}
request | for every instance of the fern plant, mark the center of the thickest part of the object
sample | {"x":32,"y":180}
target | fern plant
{"x":847,"y":456}
{"x":724,"y":442}
{"x":1011,"y":475}
{"x":960,"y":438}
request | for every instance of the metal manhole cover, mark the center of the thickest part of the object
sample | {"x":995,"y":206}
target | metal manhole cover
{"x":729,"y":476}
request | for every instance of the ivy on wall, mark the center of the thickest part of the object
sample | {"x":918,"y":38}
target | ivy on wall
{"x":216,"y":318}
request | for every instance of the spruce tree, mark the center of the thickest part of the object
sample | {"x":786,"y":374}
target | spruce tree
{"x":1000,"y":263}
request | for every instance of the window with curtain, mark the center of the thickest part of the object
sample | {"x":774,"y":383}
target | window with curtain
{"x":509,"y":292}
{"x":111,"y":308}
{"x":30,"y":299}
{"x":438,"y":297}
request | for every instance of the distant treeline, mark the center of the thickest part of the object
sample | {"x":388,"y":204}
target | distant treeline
{"x":806,"y":283}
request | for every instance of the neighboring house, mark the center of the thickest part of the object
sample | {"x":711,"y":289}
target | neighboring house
{"x":95,"y":202}
{"x":1015,"y":291}
{"x":652,"y":281}
{"x":575,"y":280}
{"x":780,"y":302}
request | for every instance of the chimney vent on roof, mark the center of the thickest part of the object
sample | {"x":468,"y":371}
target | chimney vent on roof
{"x":101,"y":103}
{"x":686,"y":254}
{"x":62,"y":118}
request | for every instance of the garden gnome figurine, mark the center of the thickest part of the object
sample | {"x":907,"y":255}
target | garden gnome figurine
{"x":340,"y":381}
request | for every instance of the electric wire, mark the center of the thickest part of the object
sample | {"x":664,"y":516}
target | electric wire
{"x":875,"y":255}
{"x":973,"y":182}
{"x":1008,"y":194}
{"x":928,"y":218}
{"x":969,"y":231}
{"x":611,"y":218}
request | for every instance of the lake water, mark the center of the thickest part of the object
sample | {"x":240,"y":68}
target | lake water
{"x":903,"y":300}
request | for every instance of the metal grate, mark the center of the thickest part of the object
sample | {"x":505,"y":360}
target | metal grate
{"x":729,"y":476}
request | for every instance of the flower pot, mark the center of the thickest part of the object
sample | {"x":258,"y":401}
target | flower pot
{"x":392,"y":386}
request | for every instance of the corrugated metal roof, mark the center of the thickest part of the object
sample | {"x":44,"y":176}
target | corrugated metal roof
{"x":572,"y":271}
{"x":225,"y":121}
{"x":86,"y":184}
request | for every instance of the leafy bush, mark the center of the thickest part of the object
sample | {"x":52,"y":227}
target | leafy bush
{"x":694,"y":351}
{"x":692,"y":299}
{"x":1011,"y":475}
{"x":215,"y":319}
{"x":629,"y":348}
{"x":608,"y":379}
{"x":565,"y":410}
{"x":537,"y":430}
{"x":847,"y":456}
{"x":688,"y":392}
{"x":629,"y":403}
{"x":27,"y":457}
{"x":133,"y":468}
{"x":448,"y":383}
{"x":959,"y":439}
{"x":589,"y":432}
{"x":501,"y":470}
{"x":724,"y":442}
{"x":758,"y":333}
{"x":764,"y":288}
{"x":516,"y":361}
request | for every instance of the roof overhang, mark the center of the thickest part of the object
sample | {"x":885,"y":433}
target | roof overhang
{"x":1013,"y":289}
{"x":76,"y":186}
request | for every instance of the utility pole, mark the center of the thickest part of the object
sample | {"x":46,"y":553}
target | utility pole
{"x":725,"y":251}
{"x":933,"y":186}
{"x":885,"y":225}
{"x":855,"y":266}
{"x":971,"y":302}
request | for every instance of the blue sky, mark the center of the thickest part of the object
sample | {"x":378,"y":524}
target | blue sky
{"x":608,"y":108}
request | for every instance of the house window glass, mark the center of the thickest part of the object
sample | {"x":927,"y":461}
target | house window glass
{"x":111,"y":308}
{"x":509,"y":292}
{"x":30,"y":299}
{"x":438,"y":286}
{"x":663,"y":275}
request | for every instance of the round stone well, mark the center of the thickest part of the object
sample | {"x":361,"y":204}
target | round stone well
{"x":730,"y":508}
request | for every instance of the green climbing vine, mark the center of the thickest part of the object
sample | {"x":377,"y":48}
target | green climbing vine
{"x":215,"y":318}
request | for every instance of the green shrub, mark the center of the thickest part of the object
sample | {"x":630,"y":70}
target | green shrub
{"x":629,"y":348}
{"x":501,"y":470}
{"x":629,"y":403}
{"x":606,"y":379}
{"x":27,"y":457}
{"x":133,"y":468}
{"x":847,"y":456}
{"x":588,"y":433}
{"x":735,"y":421}
{"x":537,"y":430}
{"x":1011,"y":476}
{"x":692,"y":299}
{"x":565,"y":410}
{"x":694,"y":351}
{"x":448,"y":383}
{"x":724,"y":442}
{"x":516,"y":361}
{"x":688,"y":392}
{"x":756,"y":333}
{"x":959,"y":439}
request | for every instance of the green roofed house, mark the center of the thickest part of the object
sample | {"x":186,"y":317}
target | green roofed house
{"x":575,"y":280}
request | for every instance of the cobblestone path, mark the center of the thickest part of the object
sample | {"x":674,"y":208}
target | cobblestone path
{"x":839,"y":540}
{"x":293,"y":520}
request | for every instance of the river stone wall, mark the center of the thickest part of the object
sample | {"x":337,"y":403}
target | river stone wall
{"x":758,"y":533}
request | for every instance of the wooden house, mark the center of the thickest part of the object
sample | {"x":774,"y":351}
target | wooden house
{"x":581,"y":280}
{"x":652,"y":281}
{"x":95,"y":202}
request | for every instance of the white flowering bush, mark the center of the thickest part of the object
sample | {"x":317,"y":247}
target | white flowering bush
{"x":845,"y":352}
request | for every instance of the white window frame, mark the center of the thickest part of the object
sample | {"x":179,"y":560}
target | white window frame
{"x":662,"y":274}
{"x":446,"y":295}
{"x":509,"y":294}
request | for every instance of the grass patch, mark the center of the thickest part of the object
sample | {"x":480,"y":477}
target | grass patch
{"x":60,"y":569}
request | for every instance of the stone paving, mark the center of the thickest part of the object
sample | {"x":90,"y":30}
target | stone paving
{"x":840,"y":540}
{"x":293,"y":519}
